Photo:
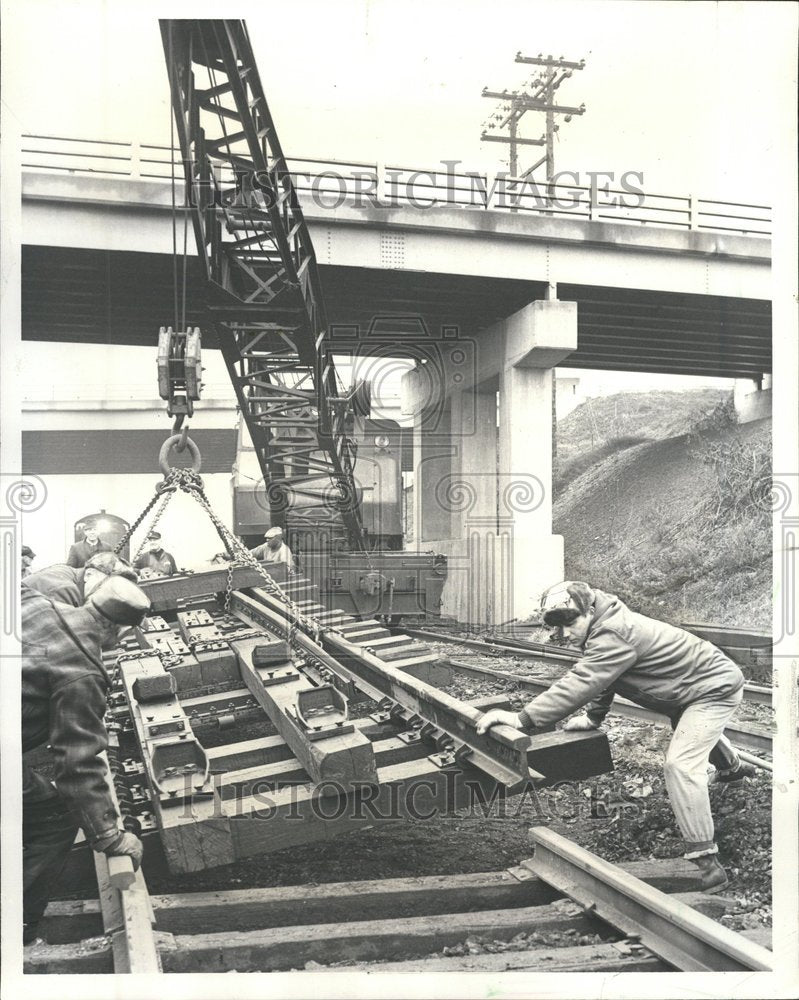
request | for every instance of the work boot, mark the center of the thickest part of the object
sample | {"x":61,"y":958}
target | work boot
{"x":713,"y":876}
{"x":742,"y":771}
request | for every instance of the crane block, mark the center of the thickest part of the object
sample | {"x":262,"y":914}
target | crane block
{"x":179,"y":369}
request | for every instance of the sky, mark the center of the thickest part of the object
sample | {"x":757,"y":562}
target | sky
{"x":687,"y":93}
{"x":690,"y":95}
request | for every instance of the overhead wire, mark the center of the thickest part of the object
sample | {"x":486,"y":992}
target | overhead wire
{"x":174,"y":199}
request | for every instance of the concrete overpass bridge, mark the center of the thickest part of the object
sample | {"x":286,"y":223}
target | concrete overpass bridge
{"x":488,"y":293}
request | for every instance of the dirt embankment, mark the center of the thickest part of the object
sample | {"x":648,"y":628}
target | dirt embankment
{"x":680,"y":528}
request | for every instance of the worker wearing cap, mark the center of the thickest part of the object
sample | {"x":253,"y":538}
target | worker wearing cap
{"x":64,"y":689}
{"x":81,"y":552}
{"x":274,"y":549}
{"x":28,"y":555}
{"x":154,"y":558}
{"x":660,"y":667}
{"x":72,"y":586}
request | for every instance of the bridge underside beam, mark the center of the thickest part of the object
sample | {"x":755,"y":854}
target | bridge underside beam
{"x":93,"y":296}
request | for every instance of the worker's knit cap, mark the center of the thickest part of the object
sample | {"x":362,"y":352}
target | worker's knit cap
{"x":112,"y":565}
{"x":565,"y":601}
{"x":120,"y":601}
{"x":581,"y":594}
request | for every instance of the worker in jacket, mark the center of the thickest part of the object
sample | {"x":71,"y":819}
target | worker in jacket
{"x":155,"y":558}
{"x":72,"y":586}
{"x":274,"y":549}
{"x":64,"y":688}
{"x":28,"y":555}
{"x":81,"y":552}
{"x":660,"y":667}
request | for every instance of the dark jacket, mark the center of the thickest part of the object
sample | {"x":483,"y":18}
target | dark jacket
{"x":158,"y":560}
{"x":60,"y":582}
{"x":64,"y":689}
{"x":81,"y":552}
{"x":656,"y":665}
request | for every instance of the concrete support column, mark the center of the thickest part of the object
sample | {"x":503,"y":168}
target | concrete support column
{"x":525,"y":487}
{"x":537,"y":338}
{"x":473,"y":501}
{"x":752,"y":398}
{"x":482,"y":493}
{"x":432,"y":464}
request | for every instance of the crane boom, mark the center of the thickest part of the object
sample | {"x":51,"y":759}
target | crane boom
{"x":264,"y":294}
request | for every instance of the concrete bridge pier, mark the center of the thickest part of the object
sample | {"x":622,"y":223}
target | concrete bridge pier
{"x":752,"y":398}
{"x":483,"y":460}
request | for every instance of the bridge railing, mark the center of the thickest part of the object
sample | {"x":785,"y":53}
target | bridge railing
{"x":332,"y":183}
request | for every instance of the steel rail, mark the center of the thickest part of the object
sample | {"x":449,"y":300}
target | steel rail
{"x":724,"y":635}
{"x":688,"y":940}
{"x":127,"y":912}
{"x":544,"y":650}
{"x":500,"y":753}
{"x":739,"y":735}
{"x":756,"y":693}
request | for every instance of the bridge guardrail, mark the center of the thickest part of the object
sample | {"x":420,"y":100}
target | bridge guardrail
{"x":331,"y":183}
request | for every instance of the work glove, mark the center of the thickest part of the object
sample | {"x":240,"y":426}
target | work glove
{"x":497,"y":717}
{"x":580,"y":723}
{"x":126,"y":844}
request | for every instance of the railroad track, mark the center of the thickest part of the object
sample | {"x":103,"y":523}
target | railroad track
{"x":278,"y":656}
{"x":527,"y":649}
{"x":745,"y":738}
{"x":563,"y":910}
{"x":749,"y":740}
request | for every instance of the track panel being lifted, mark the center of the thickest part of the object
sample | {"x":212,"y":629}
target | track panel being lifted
{"x":322,"y":774}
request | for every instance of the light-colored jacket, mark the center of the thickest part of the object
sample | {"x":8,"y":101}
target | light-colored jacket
{"x":656,"y":665}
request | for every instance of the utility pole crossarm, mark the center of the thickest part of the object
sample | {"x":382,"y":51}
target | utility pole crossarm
{"x":557,"y":108}
{"x":549,"y":61}
{"x":540,"y":98}
{"x":512,"y":139}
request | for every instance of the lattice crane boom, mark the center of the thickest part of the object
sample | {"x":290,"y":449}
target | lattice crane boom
{"x":265,"y":296}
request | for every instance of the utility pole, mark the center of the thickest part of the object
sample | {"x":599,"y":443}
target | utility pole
{"x":540,"y":97}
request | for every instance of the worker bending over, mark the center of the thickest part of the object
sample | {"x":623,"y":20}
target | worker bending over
{"x":660,"y":667}
{"x":64,"y":689}
{"x":274,"y":549}
{"x":72,"y":586}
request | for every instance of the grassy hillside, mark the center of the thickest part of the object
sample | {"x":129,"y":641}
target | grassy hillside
{"x":600,"y":427}
{"x":671,"y":523}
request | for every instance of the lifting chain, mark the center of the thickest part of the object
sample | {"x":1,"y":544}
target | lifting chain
{"x":165,"y":498}
{"x":190,"y":482}
{"x":163,"y":490}
{"x":168,"y":486}
{"x":243,"y":555}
